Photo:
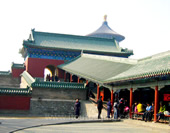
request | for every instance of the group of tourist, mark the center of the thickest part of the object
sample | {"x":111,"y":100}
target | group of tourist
{"x":52,"y":78}
{"x":119,"y":107}
{"x":149,"y":110}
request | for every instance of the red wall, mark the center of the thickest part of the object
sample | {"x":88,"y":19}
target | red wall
{"x":36,"y":66}
{"x":14,"y":102}
{"x":60,"y":73}
{"x":16,"y":72}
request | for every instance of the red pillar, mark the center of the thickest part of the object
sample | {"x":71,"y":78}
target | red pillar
{"x":102,"y":94}
{"x":112,"y":101}
{"x":78,"y":80}
{"x":86,"y":82}
{"x":98,"y":92}
{"x":70,"y":77}
{"x":131,"y":101}
{"x":112,"y":97}
{"x":156,"y":103}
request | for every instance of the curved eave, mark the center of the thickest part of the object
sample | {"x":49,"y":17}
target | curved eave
{"x":15,"y":91}
{"x":87,"y":77}
{"x":104,"y":31}
{"x":117,"y":37}
{"x":68,"y":36}
{"x":145,"y":76}
{"x":62,"y":66}
{"x":58,"y":85}
{"x":5,"y":73}
{"x":18,"y":66}
{"x":29,"y":79}
{"x":28,"y":44}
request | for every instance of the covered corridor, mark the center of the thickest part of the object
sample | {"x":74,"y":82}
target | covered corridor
{"x":151,"y":75}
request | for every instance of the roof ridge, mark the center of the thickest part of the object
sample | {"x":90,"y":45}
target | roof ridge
{"x":111,"y":58}
{"x":69,"y":35}
{"x":156,"y":56}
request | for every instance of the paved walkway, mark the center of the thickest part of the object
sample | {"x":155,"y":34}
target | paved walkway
{"x":72,"y":125}
{"x":106,"y":127}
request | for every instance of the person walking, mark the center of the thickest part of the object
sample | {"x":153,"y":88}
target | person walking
{"x":77,"y":108}
{"x":99,"y":106}
{"x":108,"y":109}
{"x":121,"y":108}
{"x":115,"y":107}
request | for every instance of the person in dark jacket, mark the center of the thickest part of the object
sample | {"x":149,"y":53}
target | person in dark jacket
{"x":121,"y":108}
{"x":151,"y":112}
{"x":99,"y":106}
{"x":108,"y":108}
{"x":147,"y":112}
{"x":56,"y":78}
{"x":77,"y":108}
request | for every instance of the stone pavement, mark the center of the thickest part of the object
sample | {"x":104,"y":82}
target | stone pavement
{"x":68,"y":125}
{"x":14,"y":124}
{"x":105,"y":127}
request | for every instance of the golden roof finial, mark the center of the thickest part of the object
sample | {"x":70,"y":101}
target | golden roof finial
{"x":105,"y":17}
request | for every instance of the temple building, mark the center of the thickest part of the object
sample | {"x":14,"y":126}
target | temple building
{"x":86,"y":67}
{"x":48,"y":50}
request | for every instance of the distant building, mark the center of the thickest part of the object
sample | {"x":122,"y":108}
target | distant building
{"x":48,"y":50}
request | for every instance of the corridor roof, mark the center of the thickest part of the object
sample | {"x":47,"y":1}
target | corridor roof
{"x":97,"y":68}
{"x":152,"y":66}
{"x":105,"y":69}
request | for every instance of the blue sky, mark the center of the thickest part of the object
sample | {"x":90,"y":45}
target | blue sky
{"x":144,"y":23}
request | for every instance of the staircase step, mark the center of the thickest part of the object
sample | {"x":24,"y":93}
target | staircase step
{"x":89,"y":109}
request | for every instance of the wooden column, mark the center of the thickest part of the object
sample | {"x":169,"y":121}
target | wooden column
{"x":112,"y":97}
{"x":70,"y":77}
{"x":78,"y":80}
{"x":156,"y":103}
{"x":112,"y":101}
{"x":103,"y":95}
{"x":86,"y":82}
{"x":131,"y":101}
{"x":98,"y":92}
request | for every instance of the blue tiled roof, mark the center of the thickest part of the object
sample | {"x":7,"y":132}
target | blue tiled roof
{"x":73,"y":42}
{"x":106,"y":32}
